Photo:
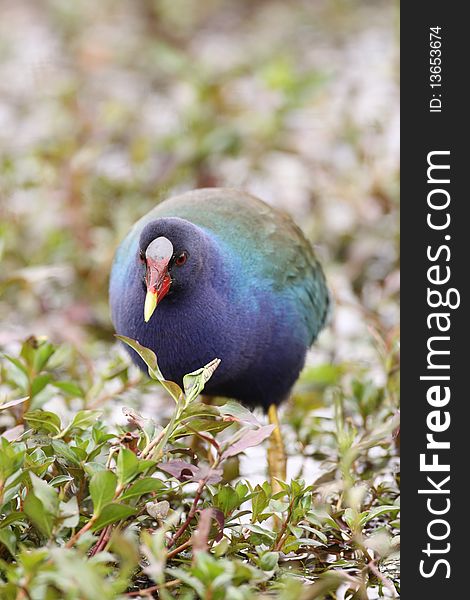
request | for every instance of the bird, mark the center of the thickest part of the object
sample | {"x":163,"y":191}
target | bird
{"x":219,"y":273}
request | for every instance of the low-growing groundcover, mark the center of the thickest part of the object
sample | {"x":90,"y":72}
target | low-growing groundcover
{"x":92,"y":510}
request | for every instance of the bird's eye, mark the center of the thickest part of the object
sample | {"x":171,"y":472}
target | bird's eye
{"x":142,"y":256}
{"x":181,"y":259}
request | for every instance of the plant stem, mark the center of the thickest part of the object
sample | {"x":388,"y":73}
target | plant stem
{"x":151,"y":445}
{"x":102,"y":541}
{"x":281,"y":535}
{"x":179,"y":549}
{"x":23,"y":592}
{"x":154,"y":588}
{"x":387,"y":583}
{"x":191,"y":513}
{"x":83,"y":530}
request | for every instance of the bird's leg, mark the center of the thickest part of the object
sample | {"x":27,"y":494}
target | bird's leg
{"x":277,"y":459}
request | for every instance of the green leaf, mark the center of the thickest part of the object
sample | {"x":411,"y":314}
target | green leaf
{"x":70,"y":388}
{"x":31,"y":559}
{"x":226,"y":499}
{"x":40,"y":518}
{"x":84,"y":419}
{"x":13,"y":517}
{"x":70,"y":513}
{"x":45,"y":493}
{"x":208,"y":569}
{"x":127,"y":466}
{"x":377,"y":511}
{"x":189,"y":580}
{"x":221,"y":548}
{"x":261,"y":535}
{"x":65,"y":451}
{"x":112,"y":513}
{"x":194,"y":382}
{"x":200,"y":409}
{"x":39,"y":383}
{"x":259,"y":502}
{"x":239,"y":413}
{"x":60,"y":479}
{"x":150,"y":360}
{"x":242,"y":490}
{"x":323,"y":375}
{"x":143,"y":486}
{"x":298,"y":487}
{"x":102,"y":490}
{"x":148,"y":356}
{"x":93,"y":467}
{"x":28,"y":350}
{"x":18,"y":375}
{"x":145,"y":464}
{"x":316,"y":532}
{"x":43,"y":420}
{"x":351,"y":518}
{"x":268,"y":561}
{"x":69,"y":575}
{"x":9,"y":540}
{"x":196,"y":425}
{"x":42,"y":355}
{"x":295,"y":544}
{"x":18,"y":364}
{"x":278,"y":506}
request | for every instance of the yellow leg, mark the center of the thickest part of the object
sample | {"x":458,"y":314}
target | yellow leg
{"x":277,"y":459}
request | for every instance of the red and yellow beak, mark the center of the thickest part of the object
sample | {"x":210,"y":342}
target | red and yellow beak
{"x":158,"y":283}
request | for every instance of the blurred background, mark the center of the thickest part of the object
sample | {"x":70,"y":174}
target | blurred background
{"x":108,"y":107}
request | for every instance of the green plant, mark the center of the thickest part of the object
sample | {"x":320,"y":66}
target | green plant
{"x":91,"y":510}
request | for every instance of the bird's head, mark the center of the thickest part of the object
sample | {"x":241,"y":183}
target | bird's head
{"x":172,"y":252}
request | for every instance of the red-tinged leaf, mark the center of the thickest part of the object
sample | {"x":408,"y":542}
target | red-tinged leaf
{"x":219,"y":516}
{"x":205,"y":433}
{"x":209,"y":474}
{"x":14,"y":433}
{"x":13,"y":403}
{"x":251,"y":437}
{"x":201,"y":535}
{"x":138,"y":420}
{"x":184,"y":471}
